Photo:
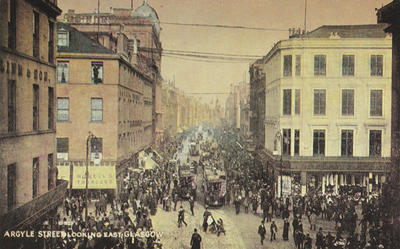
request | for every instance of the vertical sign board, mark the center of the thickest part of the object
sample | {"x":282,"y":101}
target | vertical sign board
{"x":64,"y":172}
{"x":286,"y":186}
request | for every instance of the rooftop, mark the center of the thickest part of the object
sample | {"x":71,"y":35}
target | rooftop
{"x":348,"y":31}
{"x":79,"y":42}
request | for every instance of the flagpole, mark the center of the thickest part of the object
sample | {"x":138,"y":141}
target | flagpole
{"x":98,"y":19}
{"x":305,"y":16}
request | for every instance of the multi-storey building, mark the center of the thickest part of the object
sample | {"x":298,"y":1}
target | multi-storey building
{"x":390,"y":14}
{"x":99,"y":91}
{"x":182,"y":112}
{"x":237,"y":108}
{"x":27,"y":111}
{"x":142,"y":28}
{"x":327,"y":108}
{"x":257,"y":104}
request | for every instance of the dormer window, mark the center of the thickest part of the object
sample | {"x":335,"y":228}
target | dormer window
{"x":62,"y":38}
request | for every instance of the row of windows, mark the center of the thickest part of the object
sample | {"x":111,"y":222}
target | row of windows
{"x":319,"y":137}
{"x":96,"y":72}
{"x":12,"y":180}
{"x":36,"y":27}
{"x":376,"y":65}
{"x":96,"y":109}
{"x":12,"y":107}
{"x":376,"y":101}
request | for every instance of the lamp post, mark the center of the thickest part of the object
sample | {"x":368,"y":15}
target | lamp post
{"x":88,"y":145}
{"x":279,"y":137}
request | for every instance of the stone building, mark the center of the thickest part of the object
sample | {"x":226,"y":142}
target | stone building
{"x":27,"y":113}
{"x":143,"y":47}
{"x":327,"y":108}
{"x":101,"y":92}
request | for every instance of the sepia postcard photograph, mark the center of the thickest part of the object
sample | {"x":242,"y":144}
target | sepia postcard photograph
{"x":199,"y":124}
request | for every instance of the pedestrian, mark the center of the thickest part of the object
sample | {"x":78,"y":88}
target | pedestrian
{"x":195,"y":242}
{"x":237,"y":204}
{"x":191,"y":203}
{"x":319,"y":242}
{"x":285,"y":234}
{"x":205,"y":218}
{"x":307,"y":242}
{"x":299,"y":238}
{"x":273,"y":230}
{"x":181,"y":216}
{"x":262,"y":231}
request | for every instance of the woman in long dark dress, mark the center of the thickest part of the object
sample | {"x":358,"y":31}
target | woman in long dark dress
{"x":285,"y":229}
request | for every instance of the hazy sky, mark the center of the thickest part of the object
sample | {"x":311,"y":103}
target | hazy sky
{"x":193,"y":76}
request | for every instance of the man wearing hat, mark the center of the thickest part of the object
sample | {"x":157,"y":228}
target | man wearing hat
{"x":195,"y":242}
{"x":262,"y":231}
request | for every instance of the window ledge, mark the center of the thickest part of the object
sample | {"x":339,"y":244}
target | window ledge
{"x":376,"y":117}
{"x":95,"y":121}
{"x":29,"y":133}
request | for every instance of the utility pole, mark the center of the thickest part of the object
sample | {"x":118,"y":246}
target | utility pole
{"x":88,"y":145}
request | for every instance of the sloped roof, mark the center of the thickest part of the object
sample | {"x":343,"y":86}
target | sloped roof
{"x":349,"y":31}
{"x":80,"y":42}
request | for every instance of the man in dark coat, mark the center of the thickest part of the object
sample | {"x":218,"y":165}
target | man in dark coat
{"x":286,"y":225}
{"x":262,"y":231}
{"x":319,"y":242}
{"x":195,"y":242}
{"x":307,"y":242}
{"x":273,"y":230}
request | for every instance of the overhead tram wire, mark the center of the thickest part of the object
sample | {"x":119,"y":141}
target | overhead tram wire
{"x":223,"y":26}
{"x":202,"y":60}
{"x":212,"y":57}
{"x":187,"y":53}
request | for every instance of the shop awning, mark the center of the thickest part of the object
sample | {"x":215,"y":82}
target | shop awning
{"x":150,"y":164}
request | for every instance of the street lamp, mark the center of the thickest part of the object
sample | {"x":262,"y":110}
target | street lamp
{"x":279,"y":137}
{"x":88,"y":145}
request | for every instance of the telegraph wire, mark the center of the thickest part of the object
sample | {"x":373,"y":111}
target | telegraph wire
{"x":202,"y":60}
{"x":184,"y":53}
{"x":222,"y":26}
{"x":210,"y":57}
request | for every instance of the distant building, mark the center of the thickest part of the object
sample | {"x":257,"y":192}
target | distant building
{"x":327,"y":108}
{"x":181,"y":112}
{"x":27,"y":113}
{"x":257,"y":103}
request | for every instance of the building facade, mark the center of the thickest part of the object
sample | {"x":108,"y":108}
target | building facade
{"x":181,"y":112}
{"x":390,"y":14}
{"x":27,"y":113}
{"x":141,"y":26}
{"x":257,"y":104}
{"x":101,"y":92}
{"x":327,"y":108}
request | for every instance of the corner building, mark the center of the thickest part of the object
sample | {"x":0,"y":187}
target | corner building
{"x":141,"y":27}
{"x":98,"y":91}
{"x":27,"y":112}
{"x":327,"y":109}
